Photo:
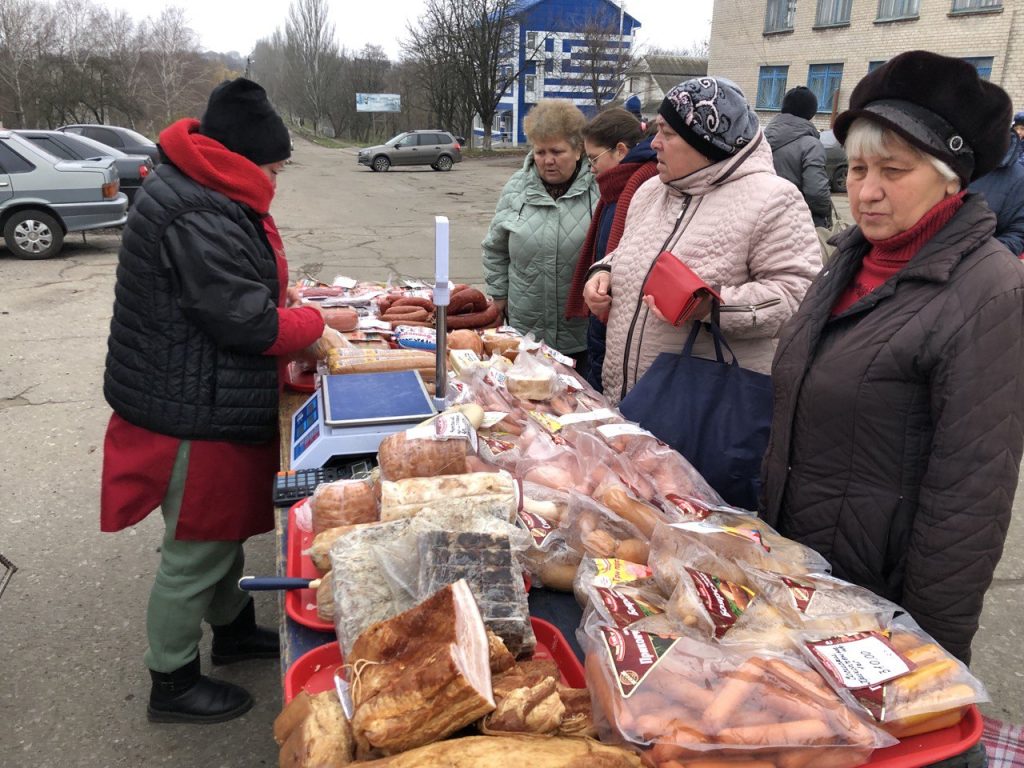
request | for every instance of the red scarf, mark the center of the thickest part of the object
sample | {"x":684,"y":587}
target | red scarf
{"x":617,"y":183}
{"x":213,"y":165}
{"x":887,"y":257}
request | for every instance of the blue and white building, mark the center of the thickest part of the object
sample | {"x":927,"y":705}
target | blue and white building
{"x":558,"y":42}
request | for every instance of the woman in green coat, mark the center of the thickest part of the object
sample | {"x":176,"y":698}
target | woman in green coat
{"x":539,"y":226}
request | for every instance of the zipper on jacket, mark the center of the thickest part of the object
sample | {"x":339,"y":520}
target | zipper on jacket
{"x":640,"y":298}
{"x":751,"y":308}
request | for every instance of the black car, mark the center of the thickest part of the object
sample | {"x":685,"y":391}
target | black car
{"x":835,"y":161}
{"x":133,"y":169}
{"x":125,"y":139}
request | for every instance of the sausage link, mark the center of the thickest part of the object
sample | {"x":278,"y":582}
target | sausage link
{"x":413,"y":313}
{"x":473,"y":319}
{"x":469,"y":300}
{"x":414,"y":301}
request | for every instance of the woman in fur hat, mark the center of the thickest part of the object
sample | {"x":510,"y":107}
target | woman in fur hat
{"x":199,"y":332}
{"x":898,"y":420}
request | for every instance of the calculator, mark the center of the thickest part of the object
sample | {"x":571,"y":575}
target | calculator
{"x":297,"y":484}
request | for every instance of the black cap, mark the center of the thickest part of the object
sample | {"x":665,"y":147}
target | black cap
{"x":239,"y":115}
{"x":800,"y":101}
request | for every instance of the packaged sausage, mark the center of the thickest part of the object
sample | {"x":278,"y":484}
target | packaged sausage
{"x":437,"y":447}
{"x":684,"y":701}
{"x":343,"y":502}
{"x":900,"y":677}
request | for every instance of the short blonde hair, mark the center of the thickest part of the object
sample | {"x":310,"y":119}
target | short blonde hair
{"x":866,"y":137}
{"x":554,"y":119}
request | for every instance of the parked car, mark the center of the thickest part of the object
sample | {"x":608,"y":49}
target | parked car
{"x":438,"y":149}
{"x":43,"y":197}
{"x":132,"y":169}
{"x":835,"y":161}
{"x":125,"y":139}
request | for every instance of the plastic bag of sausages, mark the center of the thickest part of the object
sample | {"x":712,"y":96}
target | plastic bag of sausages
{"x":688,"y":703}
{"x":900,"y":677}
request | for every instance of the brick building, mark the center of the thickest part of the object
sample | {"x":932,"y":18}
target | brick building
{"x":769,"y":46}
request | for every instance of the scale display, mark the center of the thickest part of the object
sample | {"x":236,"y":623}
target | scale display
{"x":350,"y":414}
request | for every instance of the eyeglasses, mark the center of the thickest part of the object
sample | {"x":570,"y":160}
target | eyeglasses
{"x":595,"y":158}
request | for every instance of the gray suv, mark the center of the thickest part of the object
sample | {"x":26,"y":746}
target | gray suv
{"x":42,"y":198}
{"x":438,"y":149}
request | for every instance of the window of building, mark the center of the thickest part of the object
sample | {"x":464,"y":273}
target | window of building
{"x":833,"y":13}
{"x":531,"y":43}
{"x":981,"y":63}
{"x":778,"y":15}
{"x":976,"y":5}
{"x":873,"y":65}
{"x":771,"y":87}
{"x":549,"y":65}
{"x":530,"y":84}
{"x":889,"y":10}
{"x":824,"y":80}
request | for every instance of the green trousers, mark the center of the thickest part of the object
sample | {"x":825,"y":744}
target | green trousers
{"x":196,"y":580}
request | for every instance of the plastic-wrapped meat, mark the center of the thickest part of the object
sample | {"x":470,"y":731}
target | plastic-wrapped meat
{"x":486,"y":562}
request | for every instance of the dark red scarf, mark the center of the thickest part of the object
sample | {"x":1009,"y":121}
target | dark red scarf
{"x":889,"y":256}
{"x":213,"y":165}
{"x":618,"y":183}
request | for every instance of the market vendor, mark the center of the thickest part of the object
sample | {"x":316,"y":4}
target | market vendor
{"x":899,"y":384}
{"x":199,"y":335}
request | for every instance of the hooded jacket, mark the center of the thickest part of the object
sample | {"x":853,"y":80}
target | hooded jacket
{"x":897,"y":424}
{"x":1003,"y":189}
{"x":530,"y":253}
{"x":799,"y":158}
{"x":738,"y":226}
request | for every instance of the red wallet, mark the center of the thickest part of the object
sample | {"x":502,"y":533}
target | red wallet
{"x":679,"y":293}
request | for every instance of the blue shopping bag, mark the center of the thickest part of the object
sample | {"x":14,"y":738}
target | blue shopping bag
{"x":715,"y":413}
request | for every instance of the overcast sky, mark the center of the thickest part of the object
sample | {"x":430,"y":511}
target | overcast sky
{"x":228,"y":26}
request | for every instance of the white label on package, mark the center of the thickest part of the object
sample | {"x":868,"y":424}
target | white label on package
{"x":491,"y":418}
{"x":495,"y":378}
{"x":861,"y":662}
{"x":578,"y":418}
{"x":344,"y":282}
{"x":455,"y":425}
{"x":557,"y":356}
{"x":611,"y":431}
{"x":507,"y":329}
{"x":570,"y":382}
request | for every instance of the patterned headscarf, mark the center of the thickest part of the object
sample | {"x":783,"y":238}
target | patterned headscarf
{"x":712,"y":115}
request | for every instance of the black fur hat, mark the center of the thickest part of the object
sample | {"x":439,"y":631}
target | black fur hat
{"x":240,"y":117}
{"x":800,"y":101}
{"x":938,"y":104}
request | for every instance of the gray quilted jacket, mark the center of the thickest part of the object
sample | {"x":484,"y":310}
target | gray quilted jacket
{"x":530,"y":253}
{"x":898,"y":425}
{"x":799,"y":158}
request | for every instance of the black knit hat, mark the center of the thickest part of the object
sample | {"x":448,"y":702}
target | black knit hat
{"x":800,"y":101}
{"x":240,"y":117}
{"x":938,"y":104}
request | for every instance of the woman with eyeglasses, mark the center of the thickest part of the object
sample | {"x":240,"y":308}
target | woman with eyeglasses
{"x":540,"y":222}
{"x":621,"y":159}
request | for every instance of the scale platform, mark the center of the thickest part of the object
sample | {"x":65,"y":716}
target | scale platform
{"x":349,"y":414}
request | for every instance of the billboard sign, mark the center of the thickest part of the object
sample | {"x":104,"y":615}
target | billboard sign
{"x":378,"y":102}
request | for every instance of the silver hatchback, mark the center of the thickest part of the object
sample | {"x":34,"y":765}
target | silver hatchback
{"x":438,"y":149}
{"x":42,"y":198}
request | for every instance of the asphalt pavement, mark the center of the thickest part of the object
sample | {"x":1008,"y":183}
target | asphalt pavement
{"x":72,"y":633}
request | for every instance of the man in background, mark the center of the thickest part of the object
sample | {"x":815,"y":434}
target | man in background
{"x":798,"y":153}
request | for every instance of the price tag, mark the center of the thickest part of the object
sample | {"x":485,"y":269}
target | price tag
{"x":611,"y":431}
{"x":344,"y":282}
{"x":861,"y":660}
{"x":578,"y":418}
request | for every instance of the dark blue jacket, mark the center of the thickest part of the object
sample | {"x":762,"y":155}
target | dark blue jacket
{"x":1003,"y":189}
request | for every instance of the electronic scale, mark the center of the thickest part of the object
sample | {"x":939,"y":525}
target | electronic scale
{"x":349,"y":414}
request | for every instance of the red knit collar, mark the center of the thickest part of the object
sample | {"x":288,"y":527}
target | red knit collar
{"x":213,"y":165}
{"x":611,"y":182}
{"x":902,"y":246}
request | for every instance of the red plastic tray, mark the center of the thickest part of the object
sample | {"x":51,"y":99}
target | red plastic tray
{"x":928,"y":748}
{"x":299,"y":380}
{"x":300,"y":604}
{"x":313,"y":672}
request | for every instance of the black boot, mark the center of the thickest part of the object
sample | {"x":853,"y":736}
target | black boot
{"x":242,"y":639}
{"x":185,"y":696}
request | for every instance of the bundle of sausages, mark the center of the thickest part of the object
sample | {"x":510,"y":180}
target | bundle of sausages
{"x":467,"y":308}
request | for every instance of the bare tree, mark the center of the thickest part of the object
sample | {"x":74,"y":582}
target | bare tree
{"x":313,"y":53}
{"x":23,"y":27}
{"x":125,"y":47}
{"x":173,"y":48}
